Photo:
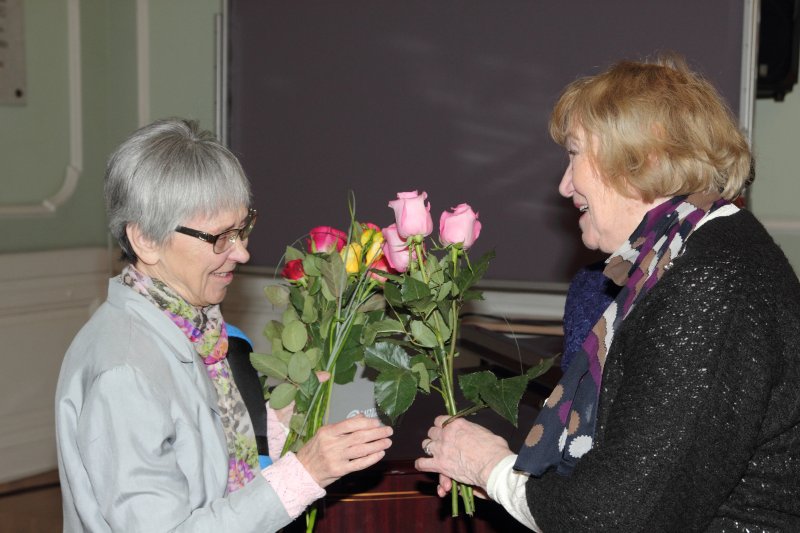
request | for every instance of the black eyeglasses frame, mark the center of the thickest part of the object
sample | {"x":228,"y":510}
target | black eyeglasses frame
{"x":228,"y":236}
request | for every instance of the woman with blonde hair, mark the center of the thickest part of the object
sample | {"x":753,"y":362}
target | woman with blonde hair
{"x":680,"y":411}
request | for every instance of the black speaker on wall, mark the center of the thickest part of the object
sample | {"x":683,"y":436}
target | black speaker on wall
{"x":778,"y":47}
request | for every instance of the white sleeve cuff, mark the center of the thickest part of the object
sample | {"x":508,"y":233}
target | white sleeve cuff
{"x":507,"y":487}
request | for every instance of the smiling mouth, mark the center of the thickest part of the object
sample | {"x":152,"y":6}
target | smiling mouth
{"x":583,"y":208}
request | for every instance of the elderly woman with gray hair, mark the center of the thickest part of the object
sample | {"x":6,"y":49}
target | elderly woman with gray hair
{"x":153,"y":434}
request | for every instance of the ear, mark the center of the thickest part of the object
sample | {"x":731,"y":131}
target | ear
{"x":146,"y":250}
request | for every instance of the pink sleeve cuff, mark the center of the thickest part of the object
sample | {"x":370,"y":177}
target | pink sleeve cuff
{"x":294,"y":485}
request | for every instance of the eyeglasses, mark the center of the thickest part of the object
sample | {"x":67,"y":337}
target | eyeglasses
{"x":225,"y":240}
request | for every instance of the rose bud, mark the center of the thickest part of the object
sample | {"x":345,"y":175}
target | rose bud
{"x":459,"y":227}
{"x":412,"y":214}
{"x":325,"y":239}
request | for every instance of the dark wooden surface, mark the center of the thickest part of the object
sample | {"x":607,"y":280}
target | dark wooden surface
{"x":393,"y":496}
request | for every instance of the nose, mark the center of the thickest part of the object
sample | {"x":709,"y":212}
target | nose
{"x":239,"y":252}
{"x":566,"y":188}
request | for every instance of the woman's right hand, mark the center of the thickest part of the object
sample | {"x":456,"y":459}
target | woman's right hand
{"x":345,"y":447}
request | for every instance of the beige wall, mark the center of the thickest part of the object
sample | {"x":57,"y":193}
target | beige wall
{"x":775,"y":193}
{"x":130,"y":61}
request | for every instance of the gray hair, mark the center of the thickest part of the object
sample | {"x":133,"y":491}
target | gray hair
{"x":166,"y":173}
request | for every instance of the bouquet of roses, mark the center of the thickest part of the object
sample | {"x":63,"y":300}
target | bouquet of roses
{"x":388,"y":299}
{"x":330,"y":297}
{"x":414,"y":346}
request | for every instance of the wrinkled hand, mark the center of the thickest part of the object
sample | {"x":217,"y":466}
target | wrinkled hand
{"x":462,"y":451}
{"x":344,"y":447}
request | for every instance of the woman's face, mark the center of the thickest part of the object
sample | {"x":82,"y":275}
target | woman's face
{"x":189,"y":265}
{"x":607,"y":217}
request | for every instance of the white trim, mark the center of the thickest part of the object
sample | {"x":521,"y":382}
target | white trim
{"x":74,"y":168}
{"x":221,"y":73}
{"x":783,"y":226}
{"x":143,"y":61}
{"x":747,"y":93}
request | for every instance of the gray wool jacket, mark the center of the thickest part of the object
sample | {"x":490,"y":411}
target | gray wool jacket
{"x":140,"y":442}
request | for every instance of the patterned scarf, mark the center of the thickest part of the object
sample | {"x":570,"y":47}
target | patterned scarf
{"x":564,"y":430}
{"x":205,"y":329}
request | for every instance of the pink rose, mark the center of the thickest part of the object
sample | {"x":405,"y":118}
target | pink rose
{"x":325,"y":239}
{"x":412,"y":214}
{"x":395,"y":249}
{"x":380,"y":264}
{"x":460,"y":226}
{"x":293,"y":270}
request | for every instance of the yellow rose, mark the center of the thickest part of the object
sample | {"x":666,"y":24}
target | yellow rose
{"x":351,"y":255}
{"x":372,"y":239}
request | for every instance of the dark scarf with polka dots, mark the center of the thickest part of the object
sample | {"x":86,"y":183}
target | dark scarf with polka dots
{"x":564,"y":430}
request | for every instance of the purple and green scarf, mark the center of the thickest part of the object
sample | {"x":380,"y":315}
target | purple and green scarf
{"x":205,"y":329}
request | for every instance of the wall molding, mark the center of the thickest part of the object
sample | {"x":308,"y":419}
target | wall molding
{"x":143,"y":61}
{"x":782,"y":226}
{"x":45,"y":298}
{"x":74,"y":168}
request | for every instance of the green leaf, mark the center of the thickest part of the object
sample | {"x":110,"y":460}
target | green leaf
{"x":277,"y":294}
{"x":273,"y":330}
{"x":279,"y":352}
{"x":312,"y":264}
{"x":423,"y":335}
{"x":414,"y":289}
{"x":293,"y":253}
{"x":305,"y":392}
{"x":334,"y":275}
{"x":289,"y":315}
{"x":539,"y":369}
{"x":395,"y":391}
{"x":294,"y":336}
{"x":444,"y":324}
{"x":392,"y":294}
{"x":310,"y":313}
{"x":423,"y":378}
{"x":386,"y":356}
{"x":325,"y":324}
{"x":472,"y":295}
{"x":376,"y":302}
{"x":314,"y":354}
{"x":345,"y":376}
{"x":469,"y":276}
{"x":504,"y":397}
{"x":444,"y":291}
{"x":269,"y":365}
{"x":299,"y":367}
{"x":282,"y":395}
{"x":435,"y":271}
{"x":472,"y":384}
{"x":352,"y":352}
{"x":296,"y":298}
{"x":381,"y":326}
{"x":422,"y":307}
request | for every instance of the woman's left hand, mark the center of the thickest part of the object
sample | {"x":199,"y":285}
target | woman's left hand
{"x":462,"y":451}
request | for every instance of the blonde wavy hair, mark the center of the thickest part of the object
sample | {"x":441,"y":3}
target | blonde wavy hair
{"x":660,"y":130}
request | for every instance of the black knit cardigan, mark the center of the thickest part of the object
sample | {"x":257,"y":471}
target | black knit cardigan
{"x":699,"y":416}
